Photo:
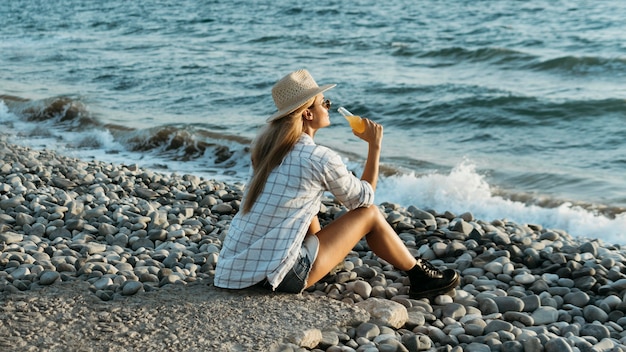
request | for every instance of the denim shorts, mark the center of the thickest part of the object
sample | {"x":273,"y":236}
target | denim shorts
{"x":296,"y":279}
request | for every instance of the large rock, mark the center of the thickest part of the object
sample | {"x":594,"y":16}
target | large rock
{"x":385,"y":312}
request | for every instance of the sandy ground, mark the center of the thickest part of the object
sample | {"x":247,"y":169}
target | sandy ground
{"x":195,"y":317}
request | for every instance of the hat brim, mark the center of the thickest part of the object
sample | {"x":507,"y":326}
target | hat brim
{"x":291,"y":108}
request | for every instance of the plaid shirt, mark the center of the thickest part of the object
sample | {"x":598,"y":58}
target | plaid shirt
{"x":265,"y":242}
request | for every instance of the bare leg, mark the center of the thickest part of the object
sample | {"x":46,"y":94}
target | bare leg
{"x":315,"y":226}
{"x":339,"y":237}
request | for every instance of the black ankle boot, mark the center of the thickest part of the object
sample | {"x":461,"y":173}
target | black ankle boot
{"x":428,"y":281}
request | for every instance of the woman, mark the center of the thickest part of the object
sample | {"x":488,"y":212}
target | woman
{"x":276,"y":239}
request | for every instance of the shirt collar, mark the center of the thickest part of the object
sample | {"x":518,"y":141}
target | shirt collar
{"x":306,"y":139}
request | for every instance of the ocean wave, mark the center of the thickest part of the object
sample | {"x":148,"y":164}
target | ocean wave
{"x":491,"y":108}
{"x":508,"y":58}
{"x":493,"y":55}
{"x":67,"y":111}
{"x":65,"y":123}
{"x":463,"y":189}
{"x":582,"y":65}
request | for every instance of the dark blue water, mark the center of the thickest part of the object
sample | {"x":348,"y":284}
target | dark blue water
{"x":506,"y":109}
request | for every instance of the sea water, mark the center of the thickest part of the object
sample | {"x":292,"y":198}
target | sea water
{"x":509,"y":110}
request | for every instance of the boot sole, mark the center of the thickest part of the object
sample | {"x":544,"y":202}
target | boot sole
{"x":438,"y":291}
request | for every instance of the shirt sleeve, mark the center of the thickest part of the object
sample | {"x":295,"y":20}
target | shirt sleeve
{"x":347,"y":188}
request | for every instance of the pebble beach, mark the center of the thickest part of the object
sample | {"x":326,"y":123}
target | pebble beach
{"x":98,"y":256}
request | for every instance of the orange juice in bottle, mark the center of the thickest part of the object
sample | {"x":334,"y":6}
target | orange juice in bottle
{"x":356,"y":122}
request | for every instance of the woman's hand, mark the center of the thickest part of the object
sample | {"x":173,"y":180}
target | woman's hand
{"x":373,"y":133}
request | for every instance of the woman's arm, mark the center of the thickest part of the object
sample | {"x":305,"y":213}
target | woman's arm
{"x":373,"y":135}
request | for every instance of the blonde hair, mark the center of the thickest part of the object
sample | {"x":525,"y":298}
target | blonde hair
{"x":270,"y":148}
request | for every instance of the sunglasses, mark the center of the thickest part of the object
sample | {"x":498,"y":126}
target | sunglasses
{"x":325,"y":103}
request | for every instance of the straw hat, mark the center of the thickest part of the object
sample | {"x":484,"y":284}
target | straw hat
{"x":293,"y":90}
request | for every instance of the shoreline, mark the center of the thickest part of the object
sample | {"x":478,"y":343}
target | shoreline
{"x":124,"y":234}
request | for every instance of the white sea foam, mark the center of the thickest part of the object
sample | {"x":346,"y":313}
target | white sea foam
{"x":463,"y":189}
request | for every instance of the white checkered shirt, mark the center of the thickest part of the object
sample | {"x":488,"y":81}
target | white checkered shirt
{"x":265,"y":242}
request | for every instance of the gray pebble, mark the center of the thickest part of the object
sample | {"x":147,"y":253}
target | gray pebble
{"x":596,"y":330}
{"x":48,"y":277}
{"x":367,"y":330}
{"x":131,"y":287}
{"x":11,"y":237}
{"x":509,"y":304}
{"x":545,"y":315}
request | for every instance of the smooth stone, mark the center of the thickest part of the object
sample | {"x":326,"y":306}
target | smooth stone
{"x":363,"y":289}
{"x":48,"y":277}
{"x":11,"y":237}
{"x":367,"y":330}
{"x":415,"y":318}
{"x":6,"y":219}
{"x":22,"y":219}
{"x":420,"y":214}
{"x":531,"y":303}
{"x":131,"y":287}
{"x":524,"y":279}
{"x":171,"y":279}
{"x":577,"y":298}
{"x":558,"y":344}
{"x":474,"y":329}
{"x":222,"y":208}
{"x":415,"y":342}
{"x":329,"y":338}
{"x":585,"y":283}
{"x":60,"y":233}
{"x":20,"y":273}
{"x":488,"y":306}
{"x":501,"y":238}
{"x":565,"y":282}
{"x":440,"y":249}
{"x":107,"y":229}
{"x":94,"y":247}
{"x":145,"y":193}
{"x":494,"y":267}
{"x":454,"y":310}
{"x":22,"y":285}
{"x":65,"y":267}
{"x":477,"y":347}
{"x":308,"y":338}
{"x":605,"y":345}
{"x":391,"y":345}
{"x":437,"y":335}
{"x":443,"y":300}
{"x":593,"y":313}
{"x":559,"y":291}
{"x":185,"y":196}
{"x":512,"y":346}
{"x":532,"y":343}
{"x":473,"y":271}
{"x":509,"y":304}
{"x":523,"y":318}
{"x":142,"y":243}
{"x":11,"y":202}
{"x":498,"y":325}
{"x":589,"y":247}
{"x":103,"y":283}
{"x":596,"y":330}
{"x":545,"y":315}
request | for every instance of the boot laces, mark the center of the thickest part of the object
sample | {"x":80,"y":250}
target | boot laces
{"x":429,"y":269}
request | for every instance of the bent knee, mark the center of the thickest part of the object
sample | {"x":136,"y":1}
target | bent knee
{"x":372,"y":211}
